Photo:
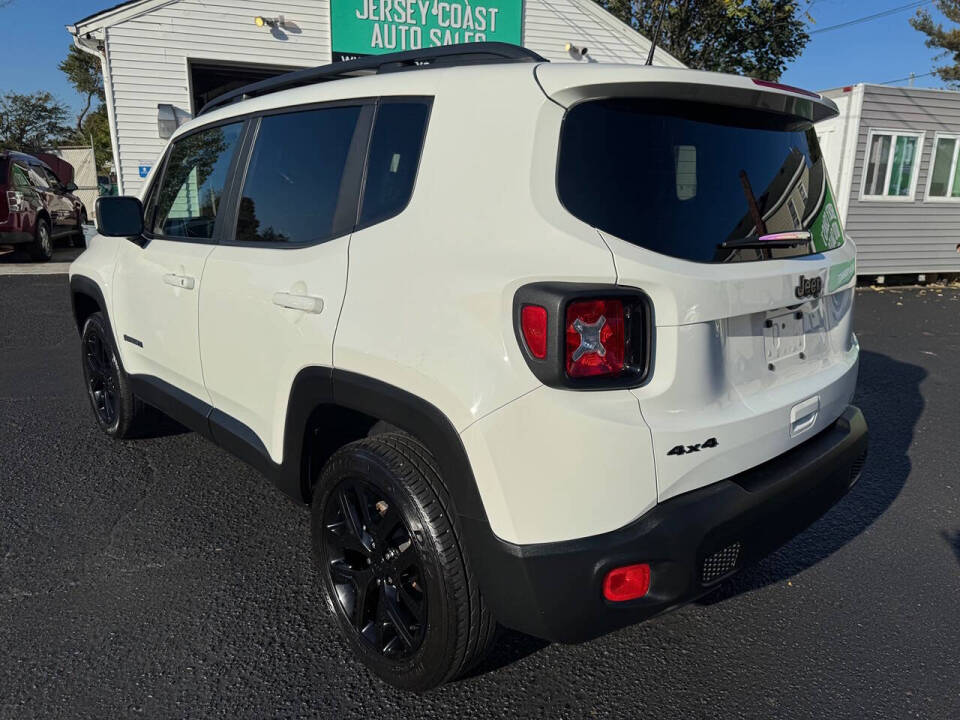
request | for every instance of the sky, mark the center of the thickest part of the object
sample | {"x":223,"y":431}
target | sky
{"x":877,"y":51}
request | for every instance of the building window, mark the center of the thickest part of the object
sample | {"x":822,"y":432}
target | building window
{"x":944,"y":183}
{"x":893,"y":159}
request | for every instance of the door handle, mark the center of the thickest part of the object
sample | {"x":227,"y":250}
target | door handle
{"x":181,"y":281}
{"x":305,"y":303}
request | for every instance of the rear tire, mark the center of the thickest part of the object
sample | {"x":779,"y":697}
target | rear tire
{"x":118,"y":411}
{"x":386,"y":545}
{"x":41,"y":249}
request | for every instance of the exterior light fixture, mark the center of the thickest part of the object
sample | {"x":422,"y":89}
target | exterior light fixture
{"x":261,"y":21}
{"x":167,"y":121}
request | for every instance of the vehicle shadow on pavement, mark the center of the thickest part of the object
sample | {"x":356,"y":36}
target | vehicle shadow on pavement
{"x":953,"y":540}
{"x":888,"y":392}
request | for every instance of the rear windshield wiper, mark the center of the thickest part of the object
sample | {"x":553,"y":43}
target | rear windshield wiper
{"x":774,"y":240}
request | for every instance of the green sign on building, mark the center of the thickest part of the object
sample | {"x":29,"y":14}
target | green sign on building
{"x":372,"y":27}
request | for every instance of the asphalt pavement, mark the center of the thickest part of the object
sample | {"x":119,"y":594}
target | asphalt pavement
{"x":163,"y":578}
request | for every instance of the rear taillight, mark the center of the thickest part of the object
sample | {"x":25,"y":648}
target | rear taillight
{"x":584,"y":337}
{"x":595,"y":338}
{"x":627,"y":583}
{"x":14,"y":201}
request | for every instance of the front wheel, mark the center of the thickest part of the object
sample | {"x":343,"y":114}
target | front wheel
{"x":387,"y":549}
{"x":117,"y":409}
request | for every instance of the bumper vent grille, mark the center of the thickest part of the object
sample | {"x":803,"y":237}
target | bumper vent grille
{"x":720,"y":563}
{"x":857,"y":468}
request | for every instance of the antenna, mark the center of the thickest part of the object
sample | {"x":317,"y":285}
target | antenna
{"x":656,"y":32}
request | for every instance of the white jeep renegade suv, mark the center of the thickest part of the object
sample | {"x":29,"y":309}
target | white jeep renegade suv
{"x":551,"y":346}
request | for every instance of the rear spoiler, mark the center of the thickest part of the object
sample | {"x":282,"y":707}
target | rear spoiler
{"x":568,"y":84}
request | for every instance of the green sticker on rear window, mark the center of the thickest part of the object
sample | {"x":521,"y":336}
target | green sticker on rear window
{"x":826,"y":230}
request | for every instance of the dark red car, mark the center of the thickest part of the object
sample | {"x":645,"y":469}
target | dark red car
{"x":35,"y":207}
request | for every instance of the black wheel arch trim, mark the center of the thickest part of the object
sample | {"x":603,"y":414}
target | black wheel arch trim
{"x":83,"y":285}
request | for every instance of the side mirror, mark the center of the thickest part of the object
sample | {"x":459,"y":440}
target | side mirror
{"x":72,"y":187}
{"x":120,"y":216}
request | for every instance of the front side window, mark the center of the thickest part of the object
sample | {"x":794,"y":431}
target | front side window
{"x":52,"y":180}
{"x":189,"y":195}
{"x":944,"y":179}
{"x":394,"y":158}
{"x":37,"y":180}
{"x":893,"y":159}
{"x":292,"y":188}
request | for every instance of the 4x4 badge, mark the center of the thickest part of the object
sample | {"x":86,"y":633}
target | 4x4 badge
{"x":685,"y":449}
{"x":808,"y":287}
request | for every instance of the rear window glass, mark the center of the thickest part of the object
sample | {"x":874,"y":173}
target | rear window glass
{"x":683,"y":178}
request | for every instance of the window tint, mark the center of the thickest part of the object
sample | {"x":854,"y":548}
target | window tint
{"x":19,"y":178}
{"x":50,"y":177}
{"x":189,"y":195}
{"x":682,"y":178}
{"x":36,"y":179}
{"x":293,"y":183}
{"x":394,"y":158}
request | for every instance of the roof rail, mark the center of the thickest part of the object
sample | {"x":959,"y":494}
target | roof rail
{"x":478,"y":53}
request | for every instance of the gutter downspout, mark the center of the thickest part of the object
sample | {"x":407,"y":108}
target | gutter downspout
{"x":82,"y":44}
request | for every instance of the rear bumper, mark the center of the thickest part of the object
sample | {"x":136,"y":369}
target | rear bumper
{"x":692,"y":542}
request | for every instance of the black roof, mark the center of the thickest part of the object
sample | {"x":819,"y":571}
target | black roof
{"x":479,"y":53}
{"x":22,"y":157}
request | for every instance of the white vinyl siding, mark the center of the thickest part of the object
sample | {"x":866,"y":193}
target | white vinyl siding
{"x":892,"y":235}
{"x":150,"y":45}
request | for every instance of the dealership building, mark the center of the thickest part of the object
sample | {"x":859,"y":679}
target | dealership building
{"x":164,"y":59}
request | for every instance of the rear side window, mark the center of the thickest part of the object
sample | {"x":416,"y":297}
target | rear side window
{"x":293,"y":184}
{"x":19,"y":178}
{"x":681,"y":178}
{"x":394,"y":158}
{"x":188,"y":197}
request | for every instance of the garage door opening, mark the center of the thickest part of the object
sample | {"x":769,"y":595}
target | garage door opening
{"x":210,"y":80}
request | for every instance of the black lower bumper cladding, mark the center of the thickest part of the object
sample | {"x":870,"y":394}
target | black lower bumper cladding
{"x":692,"y":542}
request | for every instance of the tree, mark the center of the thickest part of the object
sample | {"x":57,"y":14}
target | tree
{"x":945,"y":39}
{"x":746,"y":37}
{"x":83,"y":71}
{"x":31,"y":122}
{"x":96,"y":129}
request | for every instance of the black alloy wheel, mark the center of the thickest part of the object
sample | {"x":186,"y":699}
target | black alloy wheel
{"x":375,"y":568}
{"x":102,"y":378}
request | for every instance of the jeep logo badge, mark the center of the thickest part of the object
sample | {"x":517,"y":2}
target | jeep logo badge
{"x":808,"y":287}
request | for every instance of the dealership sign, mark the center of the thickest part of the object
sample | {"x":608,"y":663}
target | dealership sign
{"x":372,"y":27}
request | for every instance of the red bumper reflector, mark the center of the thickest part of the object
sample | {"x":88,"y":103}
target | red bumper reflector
{"x":627,"y":583}
{"x":533,"y":322}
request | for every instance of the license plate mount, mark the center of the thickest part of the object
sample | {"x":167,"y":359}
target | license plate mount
{"x":783,"y":336}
